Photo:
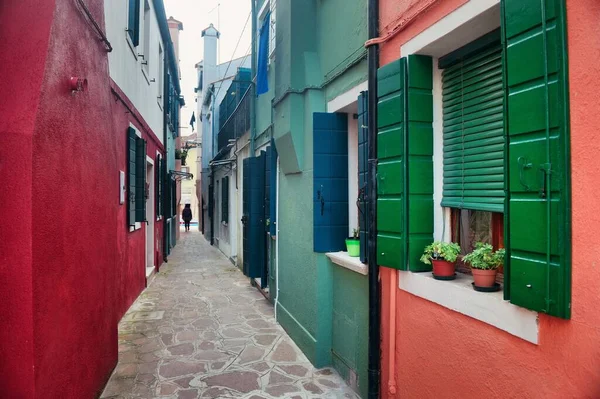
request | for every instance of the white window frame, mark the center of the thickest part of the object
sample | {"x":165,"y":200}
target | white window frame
{"x":448,"y":34}
{"x":137,"y":225}
{"x":147,"y":13}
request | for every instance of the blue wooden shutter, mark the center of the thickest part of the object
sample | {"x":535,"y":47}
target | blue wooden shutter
{"x":133,"y":23}
{"x":273,"y":187}
{"x":246,"y":214}
{"x":538,"y":238}
{"x":330,"y":181}
{"x":225,"y":199}
{"x":363,"y":171}
{"x":140,"y":180}
{"x":131,"y":166}
{"x":254,"y":237}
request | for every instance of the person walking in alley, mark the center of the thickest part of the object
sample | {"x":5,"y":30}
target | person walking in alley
{"x":186,"y":215}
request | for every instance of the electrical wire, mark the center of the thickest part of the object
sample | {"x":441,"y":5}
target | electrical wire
{"x":233,"y":54}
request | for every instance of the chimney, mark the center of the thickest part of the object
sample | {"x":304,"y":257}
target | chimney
{"x":174,"y":27}
{"x":209,"y":64}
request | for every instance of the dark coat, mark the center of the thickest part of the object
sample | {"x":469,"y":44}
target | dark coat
{"x":186,"y":214}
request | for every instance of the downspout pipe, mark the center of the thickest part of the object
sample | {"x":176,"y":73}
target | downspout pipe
{"x":164,"y":176}
{"x":374,"y":365}
{"x":211,"y":205}
{"x":253,"y":83}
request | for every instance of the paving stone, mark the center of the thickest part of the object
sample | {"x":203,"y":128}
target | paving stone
{"x":181,"y":349}
{"x":284,"y":353}
{"x":126,"y":370}
{"x":178,"y":368}
{"x":265,"y":339}
{"x":277,"y":378}
{"x":328,"y":383}
{"x":312,"y":388}
{"x":167,"y":389}
{"x":187,"y":335}
{"x":241,"y":381}
{"x":260,"y":367}
{"x":251,"y":354}
{"x":188,"y":394}
{"x":280,"y":391}
{"x":299,"y":371}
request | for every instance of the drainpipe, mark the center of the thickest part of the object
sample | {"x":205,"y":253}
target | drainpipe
{"x":253,"y":83}
{"x":374,"y":288}
{"x":166,"y":159}
{"x":211,"y":209}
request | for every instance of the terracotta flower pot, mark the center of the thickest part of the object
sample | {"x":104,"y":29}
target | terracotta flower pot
{"x":443,"y":268}
{"x":484,"y":278}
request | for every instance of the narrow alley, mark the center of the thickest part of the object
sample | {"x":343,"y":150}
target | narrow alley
{"x":201,"y":331}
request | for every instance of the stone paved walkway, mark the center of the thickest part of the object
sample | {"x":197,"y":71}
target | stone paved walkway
{"x":201,"y":331}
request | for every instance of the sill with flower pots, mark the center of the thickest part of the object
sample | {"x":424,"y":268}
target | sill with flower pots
{"x":458,"y":295}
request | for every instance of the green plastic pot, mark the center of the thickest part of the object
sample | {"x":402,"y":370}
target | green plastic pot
{"x":353,"y":247}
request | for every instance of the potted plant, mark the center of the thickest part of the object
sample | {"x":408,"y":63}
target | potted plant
{"x":353,"y":244}
{"x":442,"y":255}
{"x":484,"y":263}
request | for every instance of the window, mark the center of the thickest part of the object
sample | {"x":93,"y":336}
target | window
{"x":161,"y":78}
{"x":272,"y":31}
{"x":136,"y":205}
{"x":473,"y":120}
{"x":133,"y":21}
{"x":146,"y":55}
{"x":499,"y":176}
{"x":225,"y":200}
{"x":160,"y":173}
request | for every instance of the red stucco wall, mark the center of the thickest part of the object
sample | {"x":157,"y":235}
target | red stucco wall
{"x":19,"y":98}
{"x":70,"y":268}
{"x":443,"y":354}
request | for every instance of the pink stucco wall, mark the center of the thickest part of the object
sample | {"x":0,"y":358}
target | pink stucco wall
{"x":443,"y":354}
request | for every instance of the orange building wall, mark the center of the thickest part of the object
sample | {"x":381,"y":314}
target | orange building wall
{"x":443,"y":354}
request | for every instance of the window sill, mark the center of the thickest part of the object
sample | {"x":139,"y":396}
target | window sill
{"x":459,"y":295}
{"x":349,"y":262}
{"x":138,"y":225}
{"x":145,"y":73}
{"x":131,"y":46}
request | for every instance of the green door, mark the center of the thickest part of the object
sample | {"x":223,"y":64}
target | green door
{"x":538,"y":187}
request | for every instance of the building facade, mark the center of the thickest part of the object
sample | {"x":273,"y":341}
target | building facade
{"x":87,"y":120}
{"x":214,"y":80}
{"x":483,"y":112}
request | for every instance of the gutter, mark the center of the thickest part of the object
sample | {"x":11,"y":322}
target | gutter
{"x":374,"y":355}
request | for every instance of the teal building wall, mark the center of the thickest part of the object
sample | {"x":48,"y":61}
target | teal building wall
{"x":323,"y":306}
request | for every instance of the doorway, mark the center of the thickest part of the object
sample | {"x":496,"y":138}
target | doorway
{"x":149,"y":216}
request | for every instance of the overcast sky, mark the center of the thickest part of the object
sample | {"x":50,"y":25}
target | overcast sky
{"x":196,"y":15}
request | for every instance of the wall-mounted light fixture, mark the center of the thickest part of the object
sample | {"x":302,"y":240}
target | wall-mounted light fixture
{"x":78,"y":84}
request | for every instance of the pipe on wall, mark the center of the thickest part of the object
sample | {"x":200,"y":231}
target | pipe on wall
{"x":392,"y":337}
{"x":374,"y":360}
{"x":253,"y":83}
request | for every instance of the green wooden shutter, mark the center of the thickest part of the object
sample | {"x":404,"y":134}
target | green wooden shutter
{"x":473,"y":105}
{"x":391,"y":167}
{"x":538,"y":230}
{"x":140,"y":180}
{"x":225,"y":199}
{"x":131,"y":159}
{"x":405,"y":166}
{"x":363,"y":169}
{"x":419,"y":145}
{"x":133,"y":23}
{"x":159,"y":178}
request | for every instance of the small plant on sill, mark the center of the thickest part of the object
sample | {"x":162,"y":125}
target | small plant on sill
{"x":484,"y":262}
{"x":353,"y":243}
{"x":442,"y":255}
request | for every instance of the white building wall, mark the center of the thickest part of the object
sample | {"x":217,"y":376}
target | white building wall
{"x":125,"y":62}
